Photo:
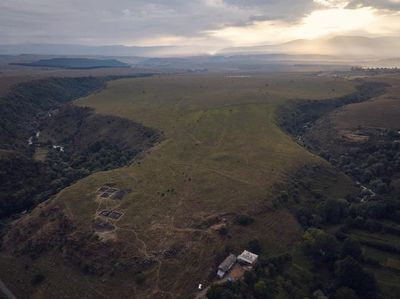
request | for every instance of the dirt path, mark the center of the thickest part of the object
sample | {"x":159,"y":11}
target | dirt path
{"x":6,"y":291}
{"x":144,"y":245}
{"x":218,"y":172}
{"x":203,"y":294}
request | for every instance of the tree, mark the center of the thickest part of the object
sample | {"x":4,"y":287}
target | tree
{"x":284,"y":196}
{"x":265,"y":289}
{"x":243,"y":220}
{"x":218,"y":292}
{"x":321,"y":246}
{"x":350,"y":274}
{"x":250,"y":277}
{"x":261,"y":289}
{"x":351,"y":248}
{"x":38,"y":279}
{"x":225,"y":291}
{"x":345,"y":293}
{"x":333,"y":210}
{"x":254,"y":246}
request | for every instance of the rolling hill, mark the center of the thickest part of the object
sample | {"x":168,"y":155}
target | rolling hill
{"x":75,"y":63}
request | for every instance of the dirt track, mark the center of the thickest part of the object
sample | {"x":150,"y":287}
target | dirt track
{"x":6,"y":291}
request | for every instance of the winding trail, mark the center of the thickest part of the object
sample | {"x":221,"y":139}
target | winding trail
{"x":6,"y":291}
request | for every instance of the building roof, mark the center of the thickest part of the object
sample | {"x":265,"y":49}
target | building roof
{"x":227,"y":263}
{"x":248,"y":257}
{"x":221,"y":273}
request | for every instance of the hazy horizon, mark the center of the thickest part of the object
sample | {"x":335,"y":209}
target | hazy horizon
{"x":195,"y":27}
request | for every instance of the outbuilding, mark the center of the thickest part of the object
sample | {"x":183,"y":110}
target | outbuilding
{"x":226,"y":265}
{"x":247,"y":258}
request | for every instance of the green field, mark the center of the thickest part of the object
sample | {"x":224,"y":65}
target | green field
{"x":223,"y":155}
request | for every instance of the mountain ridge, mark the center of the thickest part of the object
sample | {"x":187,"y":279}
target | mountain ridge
{"x":338,"y":46}
{"x":380,"y":47}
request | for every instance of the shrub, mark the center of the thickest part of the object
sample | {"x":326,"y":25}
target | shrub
{"x":254,"y":246}
{"x":350,"y":274}
{"x":351,"y":248}
{"x":243,"y":220}
{"x":223,"y":231}
{"x":38,"y":279}
{"x":320,"y":245}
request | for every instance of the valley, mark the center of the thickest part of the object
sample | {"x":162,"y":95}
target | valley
{"x":222,"y":157}
{"x":209,"y":149}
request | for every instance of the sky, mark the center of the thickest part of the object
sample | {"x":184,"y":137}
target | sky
{"x":211,"y":24}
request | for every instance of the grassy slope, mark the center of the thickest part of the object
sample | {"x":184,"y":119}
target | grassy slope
{"x":223,"y":153}
{"x":369,"y":114}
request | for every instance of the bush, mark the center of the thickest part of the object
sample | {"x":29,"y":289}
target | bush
{"x":250,"y":277}
{"x":260,"y":288}
{"x":350,"y":274}
{"x":243,"y":220}
{"x":284,"y":196}
{"x":223,"y":230}
{"x":140,"y":278}
{"x":254,"y":246}
{"x":345,"y":293}
{"x":333,"y":210}
{"x":38,"y":279}
{"x":320,"y":245}
{"x":351,"y":248}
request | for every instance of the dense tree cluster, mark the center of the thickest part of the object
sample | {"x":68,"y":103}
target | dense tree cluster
{"x":24,"y":106}
{"x":375,"y":162}
{"x":80,"y":148}
{"x":21,"y":180}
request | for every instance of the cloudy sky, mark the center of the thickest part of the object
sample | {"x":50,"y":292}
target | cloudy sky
{"x":196,"y":23}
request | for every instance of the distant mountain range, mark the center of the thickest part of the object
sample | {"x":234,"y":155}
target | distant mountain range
{"x":75,"y":63}
{"x":341,"y":46}
{"x":81,"y":50}
{"x":342,"y":51}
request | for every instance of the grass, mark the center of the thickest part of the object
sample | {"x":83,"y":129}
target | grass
{"x":388,"y":274}
{"x":379,"y":255}
{"x":223,"y":154}
{"x":378,"y":237}
{"x":388,"y":281}
{"x":369,"y":113}
{"x":40,"y":154}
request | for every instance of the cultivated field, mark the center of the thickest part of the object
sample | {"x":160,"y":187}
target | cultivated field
{"x":223,"y":155}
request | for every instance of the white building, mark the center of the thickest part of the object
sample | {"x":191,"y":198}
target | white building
{"x":248,"y":258}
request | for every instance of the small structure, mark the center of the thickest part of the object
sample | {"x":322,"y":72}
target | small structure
{"x":107,"y":192}
{"x":115,"y":215}
{"x":58,"y":147}
{"x":226,"y":265}
{"x":248,"y":258}
{"x":105,"y":213}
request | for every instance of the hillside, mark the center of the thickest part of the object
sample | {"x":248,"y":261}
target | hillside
{"x":46,"y":144}
{"x":75,"y":63}
{"x":223,"y":158}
